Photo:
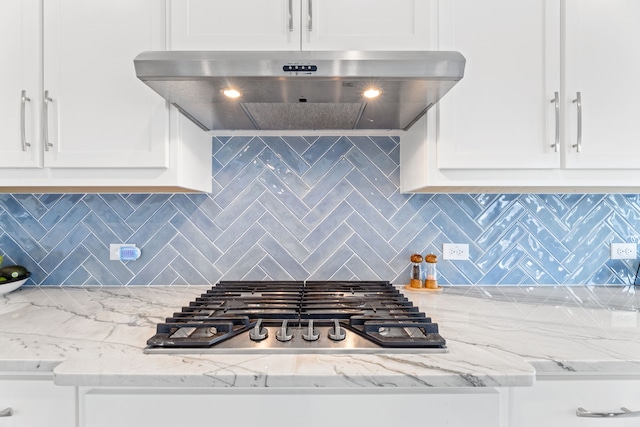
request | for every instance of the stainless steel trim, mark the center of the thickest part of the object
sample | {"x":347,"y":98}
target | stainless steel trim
{"x":418,"y":117}
{"x":626,"y":413}
{"x":290,"y":16}
{"x":556,"y":102}
{"x":6,"y":412}
{"x":310,"y":15}
{"x":190,"y":117}
{"x":23,"y":102}
{"x":47,"y":100}
{"x":284,"y":350}
{"x":578,"y":102}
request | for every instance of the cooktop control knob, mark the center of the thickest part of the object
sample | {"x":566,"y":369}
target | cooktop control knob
{"x":312,"y":334}
{"x":337,"y":332}
{"x":258,"y":333}
{"x":283,"y":333}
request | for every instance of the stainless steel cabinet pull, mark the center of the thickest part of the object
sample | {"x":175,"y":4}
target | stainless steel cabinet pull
{"x":290,"y":15}
{"x":6,"y":413}
{"x":556,"y":102}
{"x":23,"y":107}
{"x":581,"y":412}
{"x":47,"y":100}
{"x":310,"y":15}
{"x":578,"y":102}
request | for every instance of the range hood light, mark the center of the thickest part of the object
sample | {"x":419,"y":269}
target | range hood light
{"x":371,"y":93}
{"x":231,"y":93}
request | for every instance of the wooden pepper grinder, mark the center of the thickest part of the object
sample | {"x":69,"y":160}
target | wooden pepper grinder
{"x":416,"y":271}
{"x":431,"y":281}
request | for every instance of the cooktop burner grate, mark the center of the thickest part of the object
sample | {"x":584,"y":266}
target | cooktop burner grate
{"x":298,"y":317}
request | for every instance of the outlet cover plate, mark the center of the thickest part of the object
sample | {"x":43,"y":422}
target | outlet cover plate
{"x":624,"y":250}
{"x":114,"y":250}
{"x":455,"y":251}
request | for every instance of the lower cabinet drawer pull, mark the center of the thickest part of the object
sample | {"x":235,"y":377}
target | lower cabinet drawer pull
{"x":6,"y":412}
{"x":581,"y":412}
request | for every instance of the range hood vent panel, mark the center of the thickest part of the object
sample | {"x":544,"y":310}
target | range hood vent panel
{"x":328,"y":97}
{"x":279,"y":116}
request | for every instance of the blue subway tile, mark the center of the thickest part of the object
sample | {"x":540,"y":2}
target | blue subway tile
{"x":318,"y":206}
{"x":374,"y":154}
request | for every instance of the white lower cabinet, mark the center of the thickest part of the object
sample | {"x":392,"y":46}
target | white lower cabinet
{"x":553,"y":403}
{"x":289,"y":408}
{"x":36,"y":402}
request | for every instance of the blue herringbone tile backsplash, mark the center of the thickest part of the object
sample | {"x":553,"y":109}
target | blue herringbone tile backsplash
{"x":323,"y":208}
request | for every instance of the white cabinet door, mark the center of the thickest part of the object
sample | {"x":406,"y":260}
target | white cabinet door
{"x":603,"y":64}
{"x":20,"y":34}
{"x":286,"y":408}
{"x":500,"y":115}
{"x":302,"y":24}
{"x":554,"y":403}
{"x":367,"y":25}
{"x":235,"y":25}
{"x":37,"y":403}
{"x":100,"y":115}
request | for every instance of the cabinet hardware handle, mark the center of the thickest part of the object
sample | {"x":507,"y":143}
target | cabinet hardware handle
{"x":581,"y":412}
{"x":310,"y":15}
{"x":6,"y":412}
{"x":23,"y":106}
{"x":47,"y":100}
{"x":290,"y":16}
{"x":578,"y":102}
{"x":556,"y":102}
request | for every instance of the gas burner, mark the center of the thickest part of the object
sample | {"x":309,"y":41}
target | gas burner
{"x":298,"y":317}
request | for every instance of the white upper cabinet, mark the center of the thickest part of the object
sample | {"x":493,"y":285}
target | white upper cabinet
{"x":500,"y":115}
{"x":235,"y":25}
{"x":20,"y":84}
{"x":602,"y":65}
{"x":367,"y":25}
{"x":97,"y":113}
{"x":501,"y":128}
{"x":89,"y":124}
{"x":302,"y":24}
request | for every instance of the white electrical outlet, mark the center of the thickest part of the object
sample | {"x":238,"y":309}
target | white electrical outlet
{"x":624,"y":250}
{"x":456,"y":251}
{"x":114,"y":250}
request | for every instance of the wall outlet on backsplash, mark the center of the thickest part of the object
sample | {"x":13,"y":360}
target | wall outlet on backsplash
{"x":624,"y":250}
{"x":123,"y":252}
{"x":455,"y":251}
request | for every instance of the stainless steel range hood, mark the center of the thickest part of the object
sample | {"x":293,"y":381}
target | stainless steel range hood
{"x":301,"y":90}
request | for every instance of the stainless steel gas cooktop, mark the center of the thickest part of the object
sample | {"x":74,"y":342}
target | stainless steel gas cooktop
{"x":298,"y":317}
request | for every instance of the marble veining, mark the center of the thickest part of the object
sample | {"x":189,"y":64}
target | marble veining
{"x":497,"y":336}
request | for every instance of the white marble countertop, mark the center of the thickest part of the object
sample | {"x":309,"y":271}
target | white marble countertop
{"x":497,"y":336}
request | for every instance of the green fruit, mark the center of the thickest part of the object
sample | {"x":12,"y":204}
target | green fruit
{"x":3,"y":279}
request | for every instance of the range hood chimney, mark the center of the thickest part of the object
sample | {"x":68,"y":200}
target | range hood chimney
{"x":301,"y":90}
